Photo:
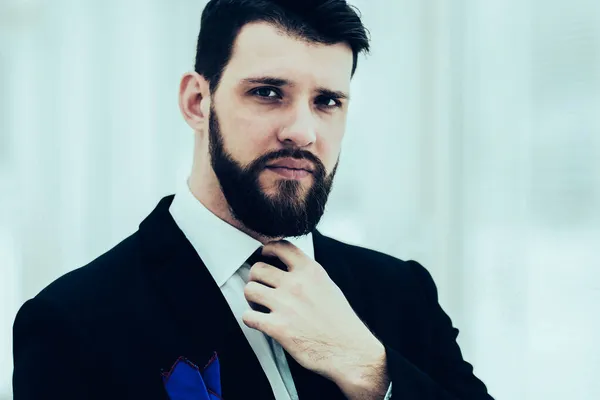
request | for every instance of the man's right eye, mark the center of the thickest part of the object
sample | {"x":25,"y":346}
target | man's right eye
{"x":266,"y":92}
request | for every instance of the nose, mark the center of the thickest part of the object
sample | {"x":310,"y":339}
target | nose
{"x":300,"y":131}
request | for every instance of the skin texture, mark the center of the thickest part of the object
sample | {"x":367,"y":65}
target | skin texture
{"x":305,"y":111}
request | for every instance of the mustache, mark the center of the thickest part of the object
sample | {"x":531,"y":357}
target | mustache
{"x":298,"y":154}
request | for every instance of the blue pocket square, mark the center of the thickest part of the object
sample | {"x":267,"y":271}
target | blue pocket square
{"x":185,"y":381}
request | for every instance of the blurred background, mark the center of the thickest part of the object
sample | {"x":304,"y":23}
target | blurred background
{"x":473,"y":146}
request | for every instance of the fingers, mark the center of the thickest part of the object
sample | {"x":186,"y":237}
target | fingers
{"x":289,"y":254}
{"x":266,"y":274}
{"x":258,"y":320}
{"x":269,"y":324}
{"x":260,"y":294}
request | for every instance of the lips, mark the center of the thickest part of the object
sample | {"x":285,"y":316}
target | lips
{"x":292,"y":164}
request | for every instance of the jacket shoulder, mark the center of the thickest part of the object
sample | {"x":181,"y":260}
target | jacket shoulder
{"x":374,"y":260}
{"x":387,"y":271}
{"x":108,"y":275}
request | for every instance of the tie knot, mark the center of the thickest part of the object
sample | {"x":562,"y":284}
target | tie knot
{"x":257,"y":256}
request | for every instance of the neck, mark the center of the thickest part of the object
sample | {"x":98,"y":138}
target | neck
{"x":214,"y":200}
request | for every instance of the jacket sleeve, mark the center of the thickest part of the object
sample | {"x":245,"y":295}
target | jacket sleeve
{"x":451,"y":377}
{"x":46,"y":354}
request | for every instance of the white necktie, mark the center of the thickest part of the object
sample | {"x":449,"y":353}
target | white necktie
{"x":278,"y":353}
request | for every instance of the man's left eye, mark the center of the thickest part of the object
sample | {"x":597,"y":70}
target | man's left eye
{"x":328,"y":102}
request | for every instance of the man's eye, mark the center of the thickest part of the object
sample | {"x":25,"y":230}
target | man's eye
{"x":327,"y":102}
{"x":267,"y":93}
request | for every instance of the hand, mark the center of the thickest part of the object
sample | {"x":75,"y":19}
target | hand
{"x":313,"y":321}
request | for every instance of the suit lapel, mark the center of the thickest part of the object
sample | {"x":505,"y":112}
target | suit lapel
{"x":203,"y":321}
{"x":202,"y":318}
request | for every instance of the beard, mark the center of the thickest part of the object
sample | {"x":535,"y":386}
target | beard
{"x":291,"y":211}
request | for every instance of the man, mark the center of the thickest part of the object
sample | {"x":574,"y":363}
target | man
{"x":227,"y":290}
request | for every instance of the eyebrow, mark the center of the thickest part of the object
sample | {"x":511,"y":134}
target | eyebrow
{"x":334,"y":94}
{"x":280,"y":82}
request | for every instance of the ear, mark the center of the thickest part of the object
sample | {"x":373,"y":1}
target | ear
{"x":194,"y":99}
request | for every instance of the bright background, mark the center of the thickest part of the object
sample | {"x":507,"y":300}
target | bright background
{"x":473,"y":146}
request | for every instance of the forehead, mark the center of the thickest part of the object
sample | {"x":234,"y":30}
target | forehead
{"x":263,"y":50}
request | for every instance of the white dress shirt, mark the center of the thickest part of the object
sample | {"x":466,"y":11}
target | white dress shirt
{"x":224,"y":250}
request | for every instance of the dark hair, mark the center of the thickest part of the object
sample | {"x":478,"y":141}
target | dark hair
{"x":320,"y":21}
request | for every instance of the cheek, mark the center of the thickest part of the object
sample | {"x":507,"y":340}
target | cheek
{"x":330,"y":144}
{"x":247,"y":136}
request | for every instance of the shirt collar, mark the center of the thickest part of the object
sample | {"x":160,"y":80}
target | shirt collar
{"x":222,"y":247}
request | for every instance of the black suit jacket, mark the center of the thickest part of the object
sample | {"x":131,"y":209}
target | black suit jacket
{"x":108,"y":330}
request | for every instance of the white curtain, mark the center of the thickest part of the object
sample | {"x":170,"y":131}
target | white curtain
{"x":473,"y":146}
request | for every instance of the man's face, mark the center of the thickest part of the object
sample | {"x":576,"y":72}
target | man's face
{"x":275,"y":129}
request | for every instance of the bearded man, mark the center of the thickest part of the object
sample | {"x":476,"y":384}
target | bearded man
{"x":227,"y":290}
